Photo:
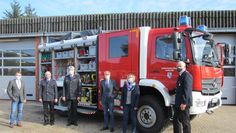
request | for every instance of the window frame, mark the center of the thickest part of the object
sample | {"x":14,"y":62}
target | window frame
{"x":156,"y":52}
{"x":109,"y":46}
{"x":20,"y":67}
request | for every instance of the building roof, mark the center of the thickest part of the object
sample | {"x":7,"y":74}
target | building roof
{"x":222,"y":20}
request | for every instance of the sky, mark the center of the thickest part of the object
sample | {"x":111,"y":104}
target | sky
{"x":78,"y":7}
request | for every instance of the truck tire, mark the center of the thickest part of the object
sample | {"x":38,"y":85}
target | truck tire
{"x":151,"y":116}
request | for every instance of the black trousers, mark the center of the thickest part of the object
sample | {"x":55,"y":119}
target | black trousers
{"x":126,"y":110}
{"x":72,"y":111}
{"x":108,"y":104}
{"x":181,"y":118}
{"x":48,"y":110}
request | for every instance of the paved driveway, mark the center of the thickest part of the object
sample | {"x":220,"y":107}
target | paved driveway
{"x":222,"y":121}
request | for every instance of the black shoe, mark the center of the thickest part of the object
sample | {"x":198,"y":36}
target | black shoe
{"x":45,"y":123}
{"x":75,"y":124}
{"x":104,"y":128}
{"x":51,"y":123}
{"x":112,"y":130}
{"x":68,"y":124}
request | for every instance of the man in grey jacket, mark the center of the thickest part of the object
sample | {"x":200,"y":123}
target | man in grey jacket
{"x":16,"y":92}
{"x":48,"y":95}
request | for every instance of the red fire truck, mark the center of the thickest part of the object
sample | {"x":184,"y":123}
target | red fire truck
{"x":152,"y":55}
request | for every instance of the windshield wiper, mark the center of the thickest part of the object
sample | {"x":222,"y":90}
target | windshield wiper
{"x":207,"y":62}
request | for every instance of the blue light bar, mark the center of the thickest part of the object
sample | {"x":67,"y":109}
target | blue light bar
{"x":184,"y":20}
{"x":202,"y":28}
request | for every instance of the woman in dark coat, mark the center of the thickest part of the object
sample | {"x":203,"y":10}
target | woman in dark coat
{"x":129,"y":102}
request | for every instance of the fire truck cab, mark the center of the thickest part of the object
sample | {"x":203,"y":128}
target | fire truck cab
{"x":150,"y":54}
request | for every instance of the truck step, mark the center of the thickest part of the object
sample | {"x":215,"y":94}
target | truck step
{"x":80,"y":110}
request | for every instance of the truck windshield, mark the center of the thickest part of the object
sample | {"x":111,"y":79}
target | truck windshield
{"x":204,"y":52}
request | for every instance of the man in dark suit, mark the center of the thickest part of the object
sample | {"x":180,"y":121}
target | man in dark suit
{"x":183,"y":99}
{"x":71,"y":94}
{"x":109,"y":91}
{"x":48,"y":95}
{"x":16,"y":92}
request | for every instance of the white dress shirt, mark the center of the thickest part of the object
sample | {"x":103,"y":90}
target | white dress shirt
{"x":18,"y":83}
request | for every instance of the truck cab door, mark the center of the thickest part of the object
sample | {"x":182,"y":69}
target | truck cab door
{"x":161,"y":62}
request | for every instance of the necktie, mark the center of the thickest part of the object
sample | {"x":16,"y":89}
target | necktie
{"x":107,"y":83}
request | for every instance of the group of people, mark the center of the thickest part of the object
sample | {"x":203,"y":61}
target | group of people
{"x":129,"y":101}
{"x":48,"y":95}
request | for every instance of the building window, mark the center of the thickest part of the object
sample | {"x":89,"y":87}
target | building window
{"x":164,"y":48}
{"x":27,"y":62}
{"x":28,"y":53}
{"x":12,"y":53}
{"x":118,"y":47}
{"x":11,"y":62}
{"x":229,"y":72}
{"x":28,"y":71}
{"x":10,"y":71}
{"x":18,"y":60}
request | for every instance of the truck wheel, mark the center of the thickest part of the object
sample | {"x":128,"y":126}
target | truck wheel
{"x":151,"y":117}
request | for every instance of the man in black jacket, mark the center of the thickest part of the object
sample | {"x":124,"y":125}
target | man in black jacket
{"x":71,"y":94}
{"x":183,"y":99}
{"x":129,"y":102}
{"x":48,"y":95}
{"x":109,"y":91}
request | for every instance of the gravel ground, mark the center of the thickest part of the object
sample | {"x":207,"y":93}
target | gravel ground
{"x":223,"y":120}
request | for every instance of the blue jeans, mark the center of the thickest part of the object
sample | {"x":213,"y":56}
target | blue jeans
{"x":16,"y":106}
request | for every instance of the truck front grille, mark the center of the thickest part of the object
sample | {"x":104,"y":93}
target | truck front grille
{"x":211,"y":86}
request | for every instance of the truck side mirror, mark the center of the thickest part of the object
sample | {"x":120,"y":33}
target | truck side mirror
{"x":220,"y":52}
{"x":177,"y":55}
{"x":227,"y":51}
{"x":207,"y":36}
{"x":177,"y":45}
{"x":177,"y":40}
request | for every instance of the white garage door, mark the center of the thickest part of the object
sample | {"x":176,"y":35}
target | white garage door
{"x":17,"y":56}
{"x":229,"y":89}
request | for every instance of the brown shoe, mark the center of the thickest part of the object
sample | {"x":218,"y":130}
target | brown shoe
{"x":11,"y":125}
{"x":19,"y":125}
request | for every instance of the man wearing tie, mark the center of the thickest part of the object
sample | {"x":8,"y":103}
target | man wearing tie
{"x":109,"y":91}
{"x":16,"y":92}
{"x":48,"y":95}
{"x":71,"y":94}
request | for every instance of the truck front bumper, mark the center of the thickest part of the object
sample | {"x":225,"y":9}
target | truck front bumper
{"x":205,"y":103}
